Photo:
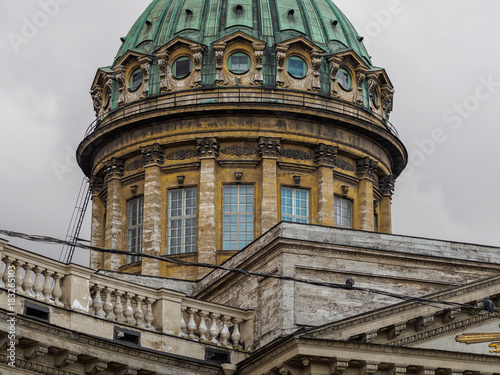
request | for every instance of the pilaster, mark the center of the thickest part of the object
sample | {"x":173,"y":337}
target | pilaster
{"x":385,"y":217}
{"x":208,"y":149}
{"x":324,"y":157}
{"x":98,"y":223}
{"x":269,"y":151}
{"x":114,"y":213}
{"x":152,"y":157}
{"x":365,"y":169}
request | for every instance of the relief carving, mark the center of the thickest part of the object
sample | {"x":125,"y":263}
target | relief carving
{"x":295,"y":154}
{"x":208,"y":147}
{"x":182,"y":155}
{"x":197,"y":59}
{"x":280,"y":61}
{"x":366,"y":167}
{"x":239,"y":150}
{"x":165,"y":72}
{"x":96,"y":184}
{"x":97,"y":100}
{"x":120,"y":79}
{"x":387,"y":185}
{"x":219,"y":63}
{"x":114,"y":168}
{"x":324,"y":154}
{"x":360,"y":80}
{"x":152,"y":154}
{"x":145,"y":67}
{"x":316,"y":65}
{"x":269,"y":147}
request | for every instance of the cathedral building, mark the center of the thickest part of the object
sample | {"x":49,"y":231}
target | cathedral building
{"x":241,"y":166}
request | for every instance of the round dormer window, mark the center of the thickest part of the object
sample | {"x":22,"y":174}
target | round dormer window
{"x":136,"y":79}
{"x":182,"y":67}
{"x":296,"y":67}
{"x":375,"y":100}
{"x":344,"y":79}
{"x":239,"y":63}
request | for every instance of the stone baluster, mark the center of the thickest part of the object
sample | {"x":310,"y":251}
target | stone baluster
{"x":118,"y":310}
{"x":236,"y":336}
{"x":2,"y":273}
{"x":57,"y":291}
{"x":47,"y":287}
{"x":28,"y":281}
{"x":202,"y":326}
{"x":214,"y":330}
{"x":98,"y":305}
{"x":19,"y":277}
{"x":108,"y":305}
{"x":139,"y":312}
{"x":224,"y":333}
{"x":129,"y":311}
{"x":191,"y":326}
{"x":38,"y":285}
{"x":183,"y":332}
{"x":149,"y":317}
{"x":5,"y":277}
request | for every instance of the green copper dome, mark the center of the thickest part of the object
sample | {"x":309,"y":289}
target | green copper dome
{"x":272,"y":21}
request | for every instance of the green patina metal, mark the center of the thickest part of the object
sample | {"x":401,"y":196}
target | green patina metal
{"x":273,"y":21}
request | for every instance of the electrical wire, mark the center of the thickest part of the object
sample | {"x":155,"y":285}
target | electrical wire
{"x":406,"y":298}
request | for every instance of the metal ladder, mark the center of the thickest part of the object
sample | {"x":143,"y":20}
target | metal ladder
{"x":76,"y":222}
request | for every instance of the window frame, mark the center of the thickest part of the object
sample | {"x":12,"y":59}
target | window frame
{"x":183,"y":220}
{"x":239,"y":54}
{"x":349,"y":75}
{"x":294,"y":215}
{"x":295,"y":57}
{"x":137,"y":246}
{"x":239,"y":215}
{"x":174,"y":69}
{"x":130,"y":80}
{"x":336,"y":214}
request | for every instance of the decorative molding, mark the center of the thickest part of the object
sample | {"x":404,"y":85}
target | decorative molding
{"x":316,"y":65}
{"x":145,"y":62}
{"x":395,"y":330}
{"x":343,"y":164}
{"x":114,"y":168}
{"x":97,"y":100}
{"x":65,"y":358}
{"x":197,"y":51}
{"x":182,"y":155}
{"x":239,"y":150}
{"x":219,"y":63}
{"x":339,"y":366}
{"x":135,"y":165}
{"x":120,"y":79}
{"x":366,"y":167}
{"x":152,"y":154}
{"x":368,"y":368}
{"x":35,"y":367}
{"x":269,"y":147}
{"x":423,"y":322}
{"x":325,"y":155}
{"x":259,"y":60}
{"x":280,"y":61}
{"x":35,"y":351}
{"x":360,"y":80}
{"x":295,"y":154}
{"x":95,"y":367}
{"x":165,"y":71}
{"x":208,"y":147}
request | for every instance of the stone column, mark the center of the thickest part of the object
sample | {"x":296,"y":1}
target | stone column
{"x":152,"y":156}
{"x":114,"y":214}
{"x":324,"y":157}
{"x":208,"y":149}
{"x":98,"y":223}
{"x":385,"y":217}
{"x":365,"y":169}
{"x":269,"y":151}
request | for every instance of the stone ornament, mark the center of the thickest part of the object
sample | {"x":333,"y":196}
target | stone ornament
{"x":239,"y":42}
{"x":269,"y":147}
{"x":208,"y":147}
{"x":295,"y":154}
{"x":387,"y":185}
{"x":334,"y":63}
{"x":114,"y":168}
{"x":239,"y":150}
{"x":96,"y":184}
{"x":366,"y":167}
{"x":152,"y":154}
{"x":325,"y":155}
{"x":360,"y":80}
{"x":121,"y":80}
{"x":97,"y":100}
{"x":145,"y":67}
{"x":182,"y":155}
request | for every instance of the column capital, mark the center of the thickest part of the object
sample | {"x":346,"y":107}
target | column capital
{"x":152,"y":154}
{"x":208,"y":147}
{"x":114,"y":169}
{"x":366,"y":167}
{"x":269,"y":147}
{"x":386,"y":185}
{"x":325,"y":155}
{"x":96,"y":184}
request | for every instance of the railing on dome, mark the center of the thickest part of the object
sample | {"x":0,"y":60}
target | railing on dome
{"x":242,"y":95}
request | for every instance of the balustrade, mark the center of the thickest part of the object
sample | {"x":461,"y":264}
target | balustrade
{"x":77,"y":288}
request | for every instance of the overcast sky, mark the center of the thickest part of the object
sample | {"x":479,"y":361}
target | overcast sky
{"x":442,"y":57}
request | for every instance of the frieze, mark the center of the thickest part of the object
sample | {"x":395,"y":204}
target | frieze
{"x":35,"y":367}
{"x":239,"y":150}
{"x":182,"y":155}
{"x":135,"y":165}
{"x":295,"y":154}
